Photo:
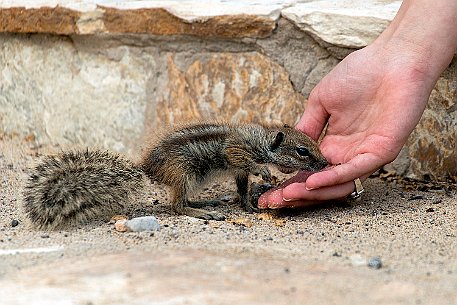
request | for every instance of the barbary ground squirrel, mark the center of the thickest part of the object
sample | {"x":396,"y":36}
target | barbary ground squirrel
{"x":75,"y":186}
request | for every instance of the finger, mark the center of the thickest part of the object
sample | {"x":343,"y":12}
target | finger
{"x":361,"y":166}
{"x":293,"y":193}
{"x":273,"y":199}
{"x":314,"y":117}
{"x":298,"y":191}
{"x":296,"y":195}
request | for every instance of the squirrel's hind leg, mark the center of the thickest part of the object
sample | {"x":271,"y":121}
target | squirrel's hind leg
{"x":199,"y":213}
{"x":180,"y":205}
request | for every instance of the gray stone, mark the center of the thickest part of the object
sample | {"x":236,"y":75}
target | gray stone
{"x":145,"y":223}
{"x":375,"y":263}
{"x":303,"y":59}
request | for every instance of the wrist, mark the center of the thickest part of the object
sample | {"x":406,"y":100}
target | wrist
{"x":422,"y":37}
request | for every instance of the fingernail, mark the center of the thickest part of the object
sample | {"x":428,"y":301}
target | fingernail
{"x":289,"y":199}
{"x":309,"y":188}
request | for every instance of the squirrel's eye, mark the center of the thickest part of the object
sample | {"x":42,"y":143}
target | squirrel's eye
{"x":301,"y":151}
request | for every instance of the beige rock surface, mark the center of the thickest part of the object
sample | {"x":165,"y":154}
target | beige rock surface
{"x":343,"y":23}
{"x":59,"y":94}
{"x":207,"y":19}
{"x":243,"y":87}
{"x":118,"y":69}
{"x":357,"y":22}
{"x":432,"y":146}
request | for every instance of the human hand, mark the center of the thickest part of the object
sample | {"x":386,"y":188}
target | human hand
{"x":371,"y":101}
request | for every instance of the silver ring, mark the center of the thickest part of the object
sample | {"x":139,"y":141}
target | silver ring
{"x":358,"y":189}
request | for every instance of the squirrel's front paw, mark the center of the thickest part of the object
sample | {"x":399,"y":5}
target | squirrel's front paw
{"x":264,"y":172}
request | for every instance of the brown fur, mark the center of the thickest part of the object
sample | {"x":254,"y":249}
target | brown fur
{"x":188,"y":156}
{"x":76,"y":186}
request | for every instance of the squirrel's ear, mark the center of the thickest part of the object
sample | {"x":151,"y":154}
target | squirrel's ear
{"x":277,"y":141}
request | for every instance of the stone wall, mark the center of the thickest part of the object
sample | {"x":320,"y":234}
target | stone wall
{"x":105,"y":75}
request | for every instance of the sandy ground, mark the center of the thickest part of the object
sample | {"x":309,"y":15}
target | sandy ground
{"x":307,"y":256}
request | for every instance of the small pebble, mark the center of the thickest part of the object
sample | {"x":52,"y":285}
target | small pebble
{"x":279,"y":222}
{"x":357,"y":260}
{"x":430,"y":210}
{"x":145,"y":223}
{"x":119,"y":225}
{"x":246,"y":222}
{"x":375,"y":263}
{"x":264,"y":216}
{"x":14,"y":223}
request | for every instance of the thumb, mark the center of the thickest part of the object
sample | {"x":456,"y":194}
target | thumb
{"x":314,"y":117}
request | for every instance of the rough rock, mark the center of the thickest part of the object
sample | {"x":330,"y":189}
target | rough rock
{"x":209,"y":19}
{"x":304,"y":60}
{"x":119,"y":69}
{"x":68,"y":96}
{"x":245,"y":87}
{"x":348,"y":23}
{"x":431,"y":150}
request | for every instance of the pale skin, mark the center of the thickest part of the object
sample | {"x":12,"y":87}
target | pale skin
{"x":372,"y":100}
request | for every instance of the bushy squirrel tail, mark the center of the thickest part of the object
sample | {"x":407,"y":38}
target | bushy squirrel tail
{"x":75,"y":186}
